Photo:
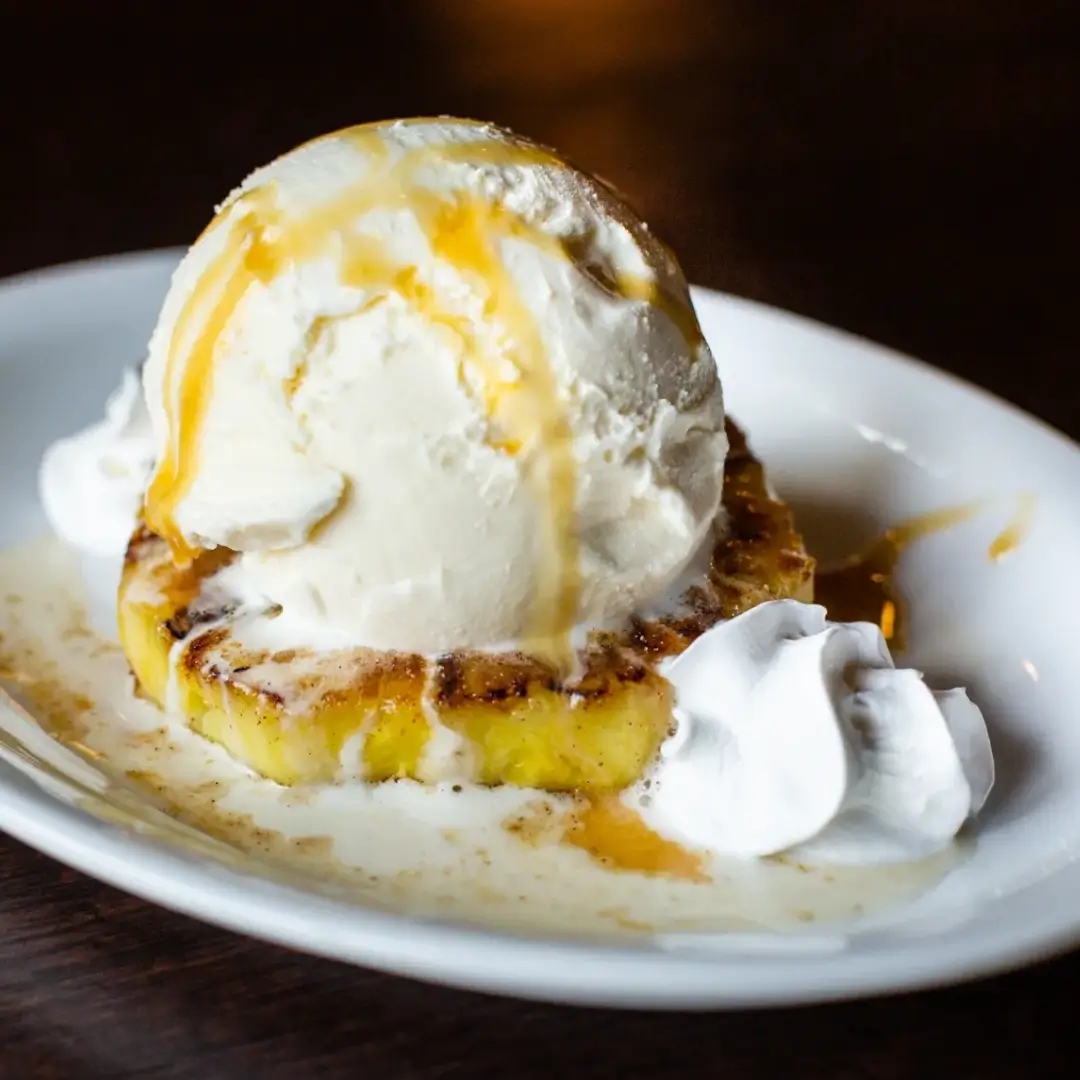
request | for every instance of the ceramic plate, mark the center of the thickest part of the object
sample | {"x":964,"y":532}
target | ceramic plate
{"x":855,"y":437}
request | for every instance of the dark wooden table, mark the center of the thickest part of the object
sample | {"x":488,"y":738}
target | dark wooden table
{"x":901,"y":169}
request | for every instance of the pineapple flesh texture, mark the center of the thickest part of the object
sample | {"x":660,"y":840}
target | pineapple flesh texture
{"x":297,"y":717}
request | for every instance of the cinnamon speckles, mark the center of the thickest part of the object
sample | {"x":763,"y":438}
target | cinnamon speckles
{"x":539,"y":823}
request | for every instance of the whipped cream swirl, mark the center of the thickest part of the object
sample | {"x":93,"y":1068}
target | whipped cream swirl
{"x":92,"y":483}
{"x":797,"y":733}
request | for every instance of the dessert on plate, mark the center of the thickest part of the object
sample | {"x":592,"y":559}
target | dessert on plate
{"x":435,"y":483}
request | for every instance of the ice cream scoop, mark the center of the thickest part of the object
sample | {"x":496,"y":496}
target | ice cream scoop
{"x":440,"y":389}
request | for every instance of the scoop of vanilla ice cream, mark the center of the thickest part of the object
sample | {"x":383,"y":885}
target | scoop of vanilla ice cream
{"x":439,"y":388}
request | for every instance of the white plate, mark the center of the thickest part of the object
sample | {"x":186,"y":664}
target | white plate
{"x":856,"y":437}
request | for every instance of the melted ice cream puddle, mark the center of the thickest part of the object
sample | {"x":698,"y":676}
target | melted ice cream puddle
{"x":426,"y":850}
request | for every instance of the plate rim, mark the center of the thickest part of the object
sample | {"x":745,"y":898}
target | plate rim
{"x":479,"y":959}
{"x":542,"y":968}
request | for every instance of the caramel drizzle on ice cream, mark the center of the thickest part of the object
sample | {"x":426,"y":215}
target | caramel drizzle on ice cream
{"x":464,"y":231}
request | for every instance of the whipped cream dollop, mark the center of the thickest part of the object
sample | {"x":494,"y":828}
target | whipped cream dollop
{"x":797,"y":734}
{"x":92,"y":483}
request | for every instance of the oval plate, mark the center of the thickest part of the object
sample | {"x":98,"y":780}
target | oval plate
{"x":856,"y":437}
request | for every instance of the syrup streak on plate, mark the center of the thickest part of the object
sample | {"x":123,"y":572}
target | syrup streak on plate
{"x":861,"y":587}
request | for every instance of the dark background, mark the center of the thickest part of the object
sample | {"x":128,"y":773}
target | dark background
{"x":908,"y":171}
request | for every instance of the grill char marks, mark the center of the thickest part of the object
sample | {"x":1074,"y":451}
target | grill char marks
{"x":141,"y":542}
{"x":192,"y":616}
{"x":761,"y":557}
{"x":369,"y":675}
{"x":481,"y":678}
{"x":197,"y":656}
{"x":464,"y":679}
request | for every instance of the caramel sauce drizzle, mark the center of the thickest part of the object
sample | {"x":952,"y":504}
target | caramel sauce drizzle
{"x":861,"y":589}
{"x":616,"y":836}
{"x":1016,"y":532}
{"x":224,"y":284}
{"x":464,"y":232}
{"x":530,"y":412}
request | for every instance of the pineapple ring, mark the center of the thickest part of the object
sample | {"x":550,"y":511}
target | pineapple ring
{"x":296,"y":716}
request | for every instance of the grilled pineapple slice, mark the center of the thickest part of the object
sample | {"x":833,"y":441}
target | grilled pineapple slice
{"x":300,"y":717}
